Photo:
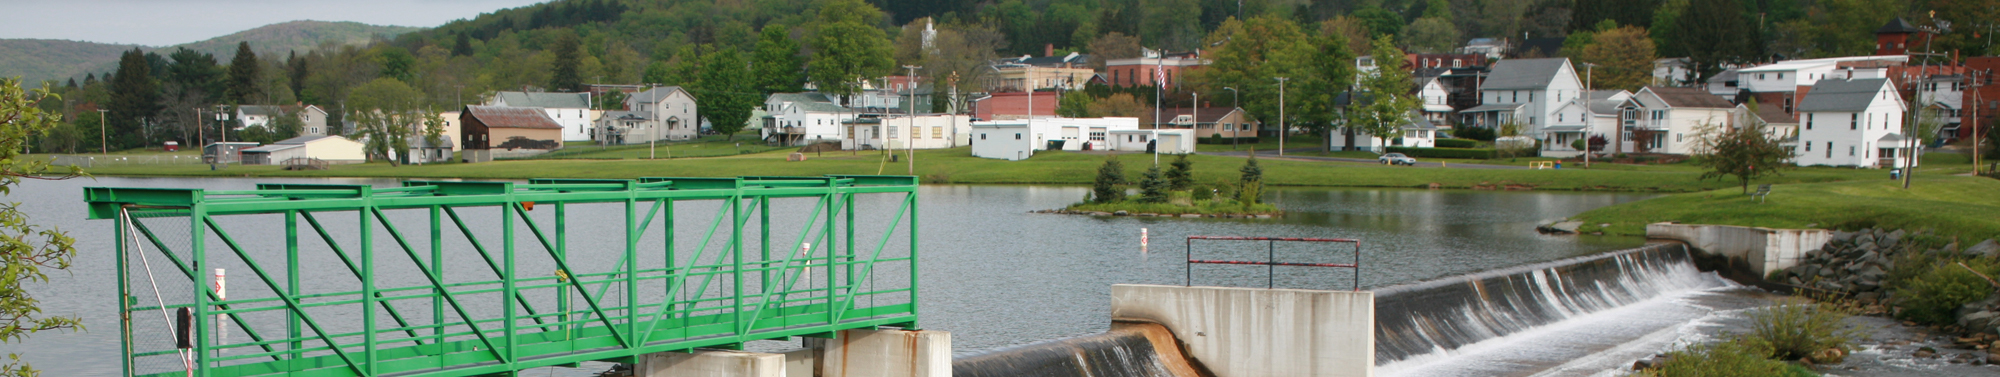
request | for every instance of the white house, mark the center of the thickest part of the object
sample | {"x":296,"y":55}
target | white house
{"x":936,"y":131}
{"x":311,"y":118}
{"x":1170,"y":141}
{"x":803,"y":118}
{"x":1417,"y":132}
{"x":670,"y":109}
{"x":1789,"y":75}
{"x":1852,"y":123}
{"x":571,"y":110}
{"x":1019,"y":139}
{"x":1493,"y":48}
{"x":1671,"y":71}
{"x":1670,"y":120}
{"x":1436,"y":99}
{"x":1530,"y":88}
{"x":331,"y":149}
{"x":1595,"y":114}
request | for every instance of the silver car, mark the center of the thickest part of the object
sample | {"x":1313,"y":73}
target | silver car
{"x":1397,"y":159}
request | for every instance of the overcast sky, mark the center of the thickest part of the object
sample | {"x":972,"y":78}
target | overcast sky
{"x":171,"y":22}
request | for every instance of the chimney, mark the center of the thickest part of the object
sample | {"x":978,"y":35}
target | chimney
{"x":1049,"y":50}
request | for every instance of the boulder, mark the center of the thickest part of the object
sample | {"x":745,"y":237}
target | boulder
{"x":1989,"y":248}
{"x":1978,"y":320}
{"x":1565,"y":227}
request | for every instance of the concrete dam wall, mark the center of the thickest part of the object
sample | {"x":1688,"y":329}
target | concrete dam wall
{"x":1130,"y":349}
{"x":1438,"y":316}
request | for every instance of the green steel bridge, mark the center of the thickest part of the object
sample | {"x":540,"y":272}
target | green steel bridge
{"x":438,"y":278}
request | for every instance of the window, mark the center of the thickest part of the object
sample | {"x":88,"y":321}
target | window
{"x":1809,"y":122}
{"x":1678,"y":137}
{"x":1808,"y":146}
{"x":1760,"y":76}
{"x":1456,"y":63}
{"x":1097,"y":136}
{"x":982,"y":136}
{"x":1853,"y":120}
{"x":1829,"y":149}
{"x":1850,"y":151}
{"x":1017,"y":136}
{"x":1781,"y":75}
{"x":892,"y":132}
{"x":1517,"y":96}
{"x":937,"y":132}
{"x":1531,"y":96}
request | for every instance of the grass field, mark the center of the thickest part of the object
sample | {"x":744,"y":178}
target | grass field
{"x":706,"y":146}
{"x":1966,"y":206}
{"x":958,"y":166}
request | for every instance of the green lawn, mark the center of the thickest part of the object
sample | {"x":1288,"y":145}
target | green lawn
{"x":706,"y":146}
{"x":958,"y":166}
{"x":1967,"y":206}
{"x":1265,"y":144}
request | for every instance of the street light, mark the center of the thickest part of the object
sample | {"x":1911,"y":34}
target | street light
{"x":1281,"y":114}
{"x":1235,"y":103}
{"x":911,"y":83}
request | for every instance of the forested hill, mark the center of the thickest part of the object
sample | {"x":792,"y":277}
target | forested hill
{"x":44,"y":59}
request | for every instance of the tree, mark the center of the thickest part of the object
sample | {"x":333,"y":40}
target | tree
{"x":1744,"y":152}
{"x":775,"y":64}
{"x":1379,"y":21}
{"x":1715,"y":32}
{"x":1348,"y":29}
{"x":1074,"y":104}
{"x":1385,"y":104}
{"x":1121,"y":105}
{"x":286,"y":126}
{"x":1180,"y":176}
{"x":1107,"y":187}
{"x":1250,"y":186}
{"x":1624,"y":58}
{"x":1152,"y":186}
{"x":1251,"y":54}
{"x":961,"y":57}
{"x":847,"y":48}
{"x":134,"y":97}
{"x":463,"y":46}
{"x":386,"y":112}
{"x":569,"y":56}
{"x":31,"y":249}
{"x":245,"y":79}
{"x":1113,"y":46}
{"x":1431,"y":36}
{"x":727,"y":98}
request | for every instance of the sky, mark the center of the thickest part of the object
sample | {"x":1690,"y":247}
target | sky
{"x":171,"y":22}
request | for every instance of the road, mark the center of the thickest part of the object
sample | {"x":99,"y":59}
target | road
{"x":1297,"y":156}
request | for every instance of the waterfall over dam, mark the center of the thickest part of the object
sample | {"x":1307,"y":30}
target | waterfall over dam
{"x":1128,"y":350}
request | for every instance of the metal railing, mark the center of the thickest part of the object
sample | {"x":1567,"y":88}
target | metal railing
{"x":338,"y":289}
{"x":90,"y":161}
{"x":1271,"y":262}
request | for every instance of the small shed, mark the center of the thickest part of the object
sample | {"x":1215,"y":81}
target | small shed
{"x":329,"y":149}
{"x":225,"y":152}
{"x":485,"y":128}
{"x":1008,"y":140}
{"x":1167,"y":141}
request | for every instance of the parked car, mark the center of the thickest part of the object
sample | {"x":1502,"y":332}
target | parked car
{"x":1397,"y":159}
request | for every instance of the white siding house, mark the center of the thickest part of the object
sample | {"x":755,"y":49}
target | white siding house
{"x":312,"y":119}
{"x":1670,"y":120}
{"x":936,"y":131}
{"x":1593,"y":115}
{"x":1417,"y":132}
{"x":670,"y":114}
{"x":803,"y":118}
{"x":571,"y":110}
{"x":1172,"y":141}
{"x":1852,"y":123}
{"x":1036,"y":133}
{"x":1524,"y":91}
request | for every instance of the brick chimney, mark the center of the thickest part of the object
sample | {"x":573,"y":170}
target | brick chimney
{"x":1049,"y":50}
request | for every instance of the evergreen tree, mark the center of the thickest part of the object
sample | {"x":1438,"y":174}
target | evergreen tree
{"x":72,"y":83}
{"x":463,"y":47}
{"x":1714,"y":32}
{"x":134,"y":98}
{"x":1251,"y":184}
{"x":568,"y":52}
{"x":297,"y":70}
{"x":848,"y":48}
{"x":775,"y":64}
{"x":1110,"y":176}
{"x":243,"y":76}
{"x":1181,"y":174}
{"x":1152,"y":186}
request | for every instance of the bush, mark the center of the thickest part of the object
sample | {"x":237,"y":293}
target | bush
{"x":1933,"y":293}
{"x":1796,"y":329}
{"x":1457,"y":143}
{"x":1107,"y":187}
{"x":1480,"y":154}
{"x":1721,"y":359}
{"x":1475,"y":133}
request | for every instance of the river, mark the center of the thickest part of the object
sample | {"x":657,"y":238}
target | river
{"x":993,"y":274}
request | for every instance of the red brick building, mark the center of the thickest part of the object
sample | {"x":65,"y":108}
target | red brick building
{"x":1014,"y":105}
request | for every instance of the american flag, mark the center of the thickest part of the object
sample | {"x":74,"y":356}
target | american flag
{"x":1159,"y":77}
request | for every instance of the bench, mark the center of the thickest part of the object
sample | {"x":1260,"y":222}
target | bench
{"x":1540,"y":165}
{"x":1763,"y":190}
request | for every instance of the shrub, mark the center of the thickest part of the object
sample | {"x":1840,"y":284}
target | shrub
{"x":1480,"y":154}
{"x":1795,"y":329}
{"x":1180,"y":173}
{"x":1933,"y":293}
{"x":1475,"y":133}
{"x":1252,"y":181}
{"x":1720,"y":359}
{"x":1202,"y":193}
{"x":1457,"y":143}
{"x":1109,"y":176}
{"x":1152,"y":187}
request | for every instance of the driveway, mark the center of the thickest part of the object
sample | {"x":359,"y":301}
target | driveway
{"x":1296,"y":156}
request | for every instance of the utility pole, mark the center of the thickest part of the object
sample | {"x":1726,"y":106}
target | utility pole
{"x":1975,"y":118}
{"x":105,"y":131}
{"x":1588,"y":68}
{"x":910,"y":82}
{"x":1234,"y":105}
{"x":1281,"y":115}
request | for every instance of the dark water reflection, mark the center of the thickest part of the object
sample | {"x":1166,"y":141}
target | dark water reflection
{"x":992,"y":273}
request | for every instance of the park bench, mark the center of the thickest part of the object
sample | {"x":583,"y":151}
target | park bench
{"x":1763,"y":190}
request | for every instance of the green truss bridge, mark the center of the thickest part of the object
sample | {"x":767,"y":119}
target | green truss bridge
{"x":438,"y":278}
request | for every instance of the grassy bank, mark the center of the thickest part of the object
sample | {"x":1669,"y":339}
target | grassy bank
{"x":1958,"y":205}
{"x":957,"y":166}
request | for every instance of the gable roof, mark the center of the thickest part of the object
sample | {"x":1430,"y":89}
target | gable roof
{"x":1841,"y":95}
{"x":1209,"y":115}
{"x":1688,"y":97}
{"x":511,"y":117}
{"x":656,"y":94}
{"x":274,"y":110}
{"x":809,"y":101}
{"x":1524,"y":73}
{"x":302,"y":139}
{"x":1775,"y":115}
{"x":545,"y":100}
{"x":1898,"y":25}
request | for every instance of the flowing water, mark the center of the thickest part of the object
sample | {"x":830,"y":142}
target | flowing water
{"x":992,"y":273}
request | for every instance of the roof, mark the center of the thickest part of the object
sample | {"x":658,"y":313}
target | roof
{"x":656,"y":94}
{"x":623,"y":115}
{"x":1775,"y":115}
{"x":1891,"y":139}
{"x":1688,"y":97}
{"x":1841,"y":95}
{"x":545,"y":100}
{"x":1524,"y":73}
{"x":1494,"y":107}
{"x":303,"y":139}
{"x":1207,"y":114}
{"x":1602,"y":102}
{"x":273,"y":148}
{"x":1898,"y":25}
{"x":1725,"y":77}
{"x":512,"y":117}
{"x":809,"y":101}
{"x":261,"y":110}
{"x":1073,"y":58}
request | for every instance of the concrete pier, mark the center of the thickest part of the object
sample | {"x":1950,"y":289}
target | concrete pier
{"x":1754,"y":250}
{"x":718,"y":363}
{"x":887,"y":353}
{"x":1255,"y":332}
